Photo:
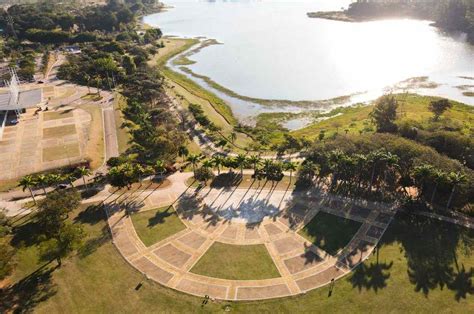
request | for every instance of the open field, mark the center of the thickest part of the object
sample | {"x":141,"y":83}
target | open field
{"x":412,"y":274}
{"x":59,"y":131}
{"x":53,"y":115}
{"x":236,"y":262}
{"x":155,"y":225}
{"x":61,"y":152}
{"x":329,"y":232}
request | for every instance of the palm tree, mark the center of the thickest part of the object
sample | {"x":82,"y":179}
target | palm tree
{"x":290,"y":166}
{"x":193,"y":159}
{"x":267,"y":164}
{"x":374,"y":158}
{"x":54,"y":179}
{"x":335,"y":163}
{"x":455,"y":179}
{"x":438,"y":177}
{"x":421,"y":174}
{"x":98,"y":82}
{"x":255,"y":160}
{"x":159,"y":167}
{"x":87,"y":77}
{"x":218,"y":161}
{"x":241,"y":161}
{"x":233,"y":137}
{"x":361,"y":162}
{"x":390,"y":162}
{"x":207,"y":164}
{"x":83,"y":172}
{"x":41,"y":180}
{"x":27,"y":182}
{"x":183,"y":152}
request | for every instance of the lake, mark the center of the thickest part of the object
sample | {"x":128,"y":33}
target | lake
{"x":272,"y":50}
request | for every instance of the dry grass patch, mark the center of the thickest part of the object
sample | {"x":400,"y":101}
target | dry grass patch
{"x":59,"y":131}
{"x":61,"y":152}
{"x":54,"y":115}
{"x":95,"y":144}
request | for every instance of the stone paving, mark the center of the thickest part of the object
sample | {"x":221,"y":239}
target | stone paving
{"x":302,"y":265}
{"x":23,"y":146}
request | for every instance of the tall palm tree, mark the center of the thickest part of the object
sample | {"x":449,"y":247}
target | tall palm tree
{"x":438,"y":177}
{"x":361,"y":163}
{"x":422,"y":174}
{"x":290,"y":166}
{"x":335,"y":163}
{"x":390,"y":163}
{"x":255,"y":160}
{"x":241,"y":161}
{"x":83,"y":172}
{"x":54,"y":179}
{"x":207,"y":164}
{"x":267,"y":164}
{"x":41,"y":181}
{"x":27,"y":182}
{"x":218,"y":161}
{"x":160,"y":167}
{"x":233,"y":137}
{"x":455,"y":179}
{"x":87,"y":77}
{"x":193,"y":159}
{"x":183,"y":152}
{"x":374,"y":158}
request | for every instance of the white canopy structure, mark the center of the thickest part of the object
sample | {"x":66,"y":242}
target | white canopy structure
{"x":15,"y":99}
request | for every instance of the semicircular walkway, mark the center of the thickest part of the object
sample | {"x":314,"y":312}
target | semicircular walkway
{"x":302,"y":265}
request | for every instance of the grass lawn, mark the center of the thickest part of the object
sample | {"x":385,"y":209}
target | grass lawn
{"x":237,"y":262}
{"x":155,"y":225}
{"x":123,"y":135}
{"x":95,"y":144}
{"x":329,"y":232}
{"x":411,"y":107}
{"x":414,"y":252}
{"x":53,"y":115}
{"x":227,"y":180}
{"x":61,"y":152}
{"x":59,"y":131}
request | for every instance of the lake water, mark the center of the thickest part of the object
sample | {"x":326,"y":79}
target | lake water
{"x":272,"y":50}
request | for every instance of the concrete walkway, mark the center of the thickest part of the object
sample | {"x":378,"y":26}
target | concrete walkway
{"x":302,"y":266}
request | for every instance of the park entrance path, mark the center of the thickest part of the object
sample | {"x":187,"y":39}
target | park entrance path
{"x":302,"y":265}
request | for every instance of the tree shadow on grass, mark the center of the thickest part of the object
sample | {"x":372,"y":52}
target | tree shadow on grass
{"x":373,"y":276}
{"x":160,"y":217}
{"x":91,"y":215}
{"x":226,"y":180}
{"x":26,"y":234}
{"x":27,"y":293}
{"x":431,"y":249}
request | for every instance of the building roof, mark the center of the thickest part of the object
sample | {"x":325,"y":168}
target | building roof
{"x":26,"y":99}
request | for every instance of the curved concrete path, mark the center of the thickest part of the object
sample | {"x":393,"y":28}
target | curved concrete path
{"x":302,"y":266}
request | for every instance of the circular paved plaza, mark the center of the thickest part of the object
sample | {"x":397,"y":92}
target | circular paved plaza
{"x":273,"y":219}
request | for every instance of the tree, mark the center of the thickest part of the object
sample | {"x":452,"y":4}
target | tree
{"x":255,"y":161}
{"x":306,"y":174}
{"x":194,"y":159}
{"x":290,"y":166}
{"x":68,"y":239}
{"x":41,"y":181}
{"x":208,"y":164}
{"x":87,"y":78}
{"x":438,"y":107}
{"x":439,"y":177}
{"x":160,"y":167}
{"x":129,"y":65}
{"x":374,"y":158}
{"x":218,"y":161}
{"x":6,"y":258}
{"x":203,"y":174}
{"x":124,"y":175}
{"x":27,"y":182}
{"x":233,"y":137}
{"x":55,"y":209}
{"x":183,"y":151}
{"x":455,"y":179}
{"x":241,"y":161}
{"x":385,"y":113}
{"x":83,"y":172}
{"x":421,"y":174}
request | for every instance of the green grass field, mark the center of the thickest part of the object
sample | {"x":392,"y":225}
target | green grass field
{"x":424,"y":266}
{"x":236,"y":262}
{"x":329,"y":232}
{"x":155,"y":225}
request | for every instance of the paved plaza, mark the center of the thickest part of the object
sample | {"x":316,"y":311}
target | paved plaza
{"x":244,"y":217}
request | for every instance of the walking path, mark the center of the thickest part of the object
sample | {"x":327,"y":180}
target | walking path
{"x":302,"y":266}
